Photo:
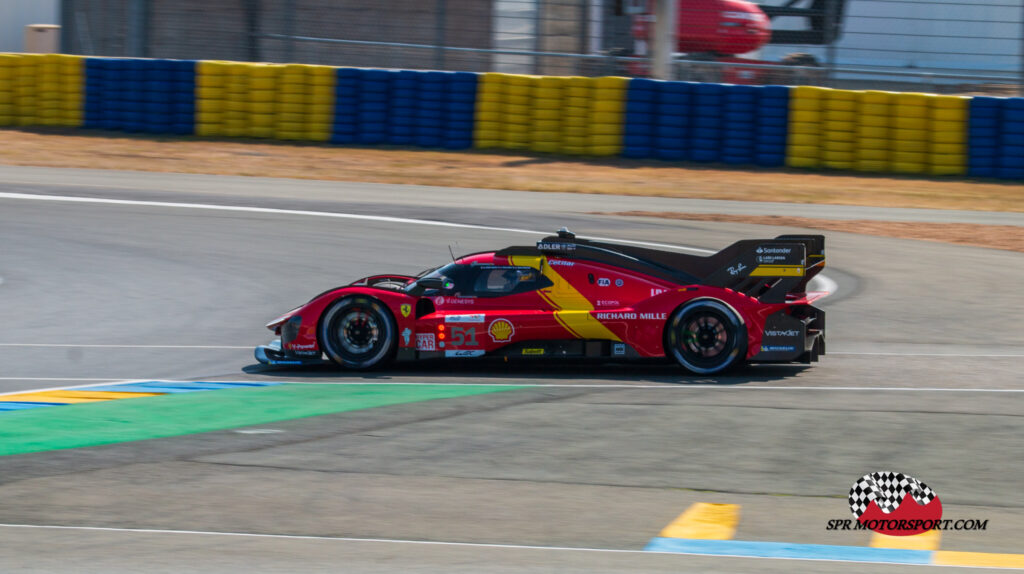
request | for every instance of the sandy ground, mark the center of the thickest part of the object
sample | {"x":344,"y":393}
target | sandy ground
{"x":506,"y":170}
{"x":998,"y":236}
{"x":51,"y":147}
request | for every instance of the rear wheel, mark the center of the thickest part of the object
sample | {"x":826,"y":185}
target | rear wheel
{"x":358,"y":333}
{"x":706,"y":337}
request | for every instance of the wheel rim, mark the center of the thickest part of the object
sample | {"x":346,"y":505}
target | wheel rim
{"x":705,"y":337}
{"x":358,"y":331}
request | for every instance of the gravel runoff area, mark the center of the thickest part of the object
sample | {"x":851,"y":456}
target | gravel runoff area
{"x":52,"y":147}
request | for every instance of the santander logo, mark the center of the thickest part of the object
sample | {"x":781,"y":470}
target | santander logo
{"x":894,"y":503}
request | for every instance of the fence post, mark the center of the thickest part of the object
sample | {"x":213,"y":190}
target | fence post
{"x":289,"y":30}
{"x":831,"y":33}
{"x":439,"y":39}
{"x":136,"y":36}
{"x":666,"y":16}
{"x":538,"y":28}
{"x":1020,"y":87}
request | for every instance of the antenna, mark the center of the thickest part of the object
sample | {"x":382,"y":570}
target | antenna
{"x":450,"y":252}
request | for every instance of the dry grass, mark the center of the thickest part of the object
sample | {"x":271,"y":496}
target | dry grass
{"x":996,"y":236}
{"x":517,"y":171}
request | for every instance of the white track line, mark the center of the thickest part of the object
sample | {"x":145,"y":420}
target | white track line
{"x":676,"y":386}
{"x":94,"y":383}
{"x":113,"y":346}
{"x":381,"y":218}
{"x":827,"y":284}
{"x":438,"y":543}
{"x":956,"y":355}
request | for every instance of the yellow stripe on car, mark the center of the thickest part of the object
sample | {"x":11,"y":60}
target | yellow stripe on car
{"x":778,"y":271}
{"x":573,"y":309}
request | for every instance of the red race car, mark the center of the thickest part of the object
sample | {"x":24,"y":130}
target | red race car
{"x":570,"y":297}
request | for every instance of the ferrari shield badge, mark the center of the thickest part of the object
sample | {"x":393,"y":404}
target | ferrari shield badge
{"x":406,"y":309}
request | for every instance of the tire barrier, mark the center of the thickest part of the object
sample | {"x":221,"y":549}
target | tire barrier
{"x":151,"y":96}
{"x":996,"y":137}
{"x":286,"y":102}
{"x":802,"y":127}
{"x":41,"y":90}
{"x":878,"y":131}
{"x":571,"y":115}
{"x":405,"y":107}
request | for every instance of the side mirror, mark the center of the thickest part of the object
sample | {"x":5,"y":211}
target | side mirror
{"x":430,"y":283}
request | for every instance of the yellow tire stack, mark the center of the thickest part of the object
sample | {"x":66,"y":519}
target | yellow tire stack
{"x":319,"y":103}
{"x":211,"y":97}
{"x":874,"y":144}
{"x":948,"y":150}
{"x":72,"y":90}
{"x":546,"y":129}
{"x":488,"y":125}
{"x":910,"y":131}
{"x":290,"y":105}
{"x":49,"y":102}
{"x":804,"y":145}
{"x":262,"y":81}
{"x":517,"y":112}
{"x":839,"y":132}
{"x":26,"y":90}
{"x":8,"y":71}
{"x":606,"y":116}
{"x":576,"y":115}
{"x":236,"y":101}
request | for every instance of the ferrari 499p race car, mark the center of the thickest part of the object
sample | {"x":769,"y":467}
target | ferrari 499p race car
{"x":569,"y":297}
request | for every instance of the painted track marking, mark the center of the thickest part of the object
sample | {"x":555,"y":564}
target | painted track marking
{"x":853,"y":558}
{"x":827,"y":283}
{"x":115,"y":346}
{"x":333,"y":214}
{"x":676,"y":386}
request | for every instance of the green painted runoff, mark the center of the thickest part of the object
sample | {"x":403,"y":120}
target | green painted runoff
{"x":125,"y":420}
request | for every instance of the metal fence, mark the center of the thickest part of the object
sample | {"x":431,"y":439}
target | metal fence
{"x":957,"y":46}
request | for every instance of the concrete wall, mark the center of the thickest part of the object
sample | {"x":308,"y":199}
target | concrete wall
{"x":16,"y":14}
{"x":232,"y":29}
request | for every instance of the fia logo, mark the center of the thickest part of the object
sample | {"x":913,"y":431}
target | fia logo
{"x":603,"y":282}
{"x":735,"y":270}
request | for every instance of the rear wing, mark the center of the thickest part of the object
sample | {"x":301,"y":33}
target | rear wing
{"x":766,"y":269}
{"x":769,"y":269}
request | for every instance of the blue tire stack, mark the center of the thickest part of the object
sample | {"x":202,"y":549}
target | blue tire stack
{"x":150,"y":96}
{"x":705,"y":139}
{"x":671,"y":121}
{"x":772,"y":126}
{"x":430,"y":108}
{"x":404,"y":98}
{"x":1011,"y":140}
{"x":374,"y":102}
{"x":638,"y":140}
{"x":346,"y":106}
{"x":739,"y":114}
{"x":459,"y":110}
{"x":93,"y":108}
{"x":983,"y":136}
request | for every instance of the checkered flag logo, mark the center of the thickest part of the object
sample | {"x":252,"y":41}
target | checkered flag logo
{"x":887,"y":489}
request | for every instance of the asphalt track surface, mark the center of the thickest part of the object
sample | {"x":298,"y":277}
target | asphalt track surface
{"x":574,"y":474}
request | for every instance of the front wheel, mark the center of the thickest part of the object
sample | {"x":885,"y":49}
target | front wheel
{"x":358,"y":333}
{"x":706,"y":337}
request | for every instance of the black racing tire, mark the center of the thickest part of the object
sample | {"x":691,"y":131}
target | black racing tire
{"x":358,"y":333}
{"x":706,"y":337}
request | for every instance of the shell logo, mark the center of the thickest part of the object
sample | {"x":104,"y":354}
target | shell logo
{"x":501,"y":330}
